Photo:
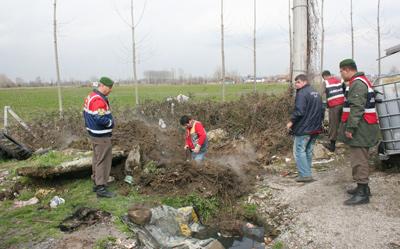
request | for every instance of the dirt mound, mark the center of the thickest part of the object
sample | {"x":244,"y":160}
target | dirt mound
{"x":181,"y":178}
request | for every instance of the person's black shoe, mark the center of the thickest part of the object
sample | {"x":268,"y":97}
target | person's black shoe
{"x":354,"y":190}
{"x":102,"y":191}
{"x":95,"y":187}
{"x":331,"y":146}
{"x":360,"y":197}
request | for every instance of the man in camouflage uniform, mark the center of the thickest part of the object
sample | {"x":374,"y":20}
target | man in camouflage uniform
{"x":359,"y":128}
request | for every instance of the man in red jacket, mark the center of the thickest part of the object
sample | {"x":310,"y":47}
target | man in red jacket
{"x":334,"y":90}
{"x":196,"y":138}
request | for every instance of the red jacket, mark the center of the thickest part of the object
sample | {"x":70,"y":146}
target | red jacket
{"x":196,"y":135}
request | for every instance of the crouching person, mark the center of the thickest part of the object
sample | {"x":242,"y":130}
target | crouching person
{"x":305,"y":124}
{"x":196,"y":138}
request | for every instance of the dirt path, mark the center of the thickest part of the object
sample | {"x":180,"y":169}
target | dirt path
{"x":322,"y":221}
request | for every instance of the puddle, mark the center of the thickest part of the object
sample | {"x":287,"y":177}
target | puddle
{"x":240,"y":243}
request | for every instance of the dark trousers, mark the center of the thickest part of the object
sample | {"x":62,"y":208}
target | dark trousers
{"x":102,"y":159}
{"x":359,"y":163}
{"x":335,"y":115}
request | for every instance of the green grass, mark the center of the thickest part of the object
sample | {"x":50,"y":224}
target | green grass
{"x":206,"y":206}
{"x":21,"y":225}
{"x":28,"y":102}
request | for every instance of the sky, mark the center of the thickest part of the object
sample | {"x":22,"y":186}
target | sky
{"x":184,"y":35}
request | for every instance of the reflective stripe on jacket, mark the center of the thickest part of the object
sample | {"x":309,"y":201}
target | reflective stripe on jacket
{"x":334,"y":92}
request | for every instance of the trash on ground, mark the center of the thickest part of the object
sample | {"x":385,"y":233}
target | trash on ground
{"x":42,"y":193}
{"x":161,"y":123}
{"x":83,"y":216}
{"x":171,"y":228}
{"x":56,"y":201}
{"x":129,"y":179}
{"x":182,"y":98}
{"x":32,"y":201}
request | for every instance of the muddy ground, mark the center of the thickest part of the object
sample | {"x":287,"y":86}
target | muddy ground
{"x":242,"y":168}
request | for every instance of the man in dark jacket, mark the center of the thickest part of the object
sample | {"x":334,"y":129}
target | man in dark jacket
{"x":305,"y":124}
{"x":359,"y":128}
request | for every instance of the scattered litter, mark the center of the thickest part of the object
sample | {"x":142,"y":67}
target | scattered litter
{"x":111,"y":179}
{"x":56,"y":201}
{"x":323,"y":161}
{"x":287,"y":160}
{"x":129,"y":179}
{"x":161,"y":123}
{"x":42,"y":193}
{"x":32,"y":201}
{"x":83,"y":216}
{"x":182,"y":98}
{"x":171,"y":228}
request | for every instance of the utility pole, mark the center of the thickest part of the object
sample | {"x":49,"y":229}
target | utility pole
{"x":379,"y":39}
{"x":254,"y":46}
{"x":222,"y":51}
{"x":56,"y":58}
{"x":290,"y":46}
{"x":300,"y":30}
{"x":322,"y":35}
{"x":134,"y":55}
{"x":352,"y":29}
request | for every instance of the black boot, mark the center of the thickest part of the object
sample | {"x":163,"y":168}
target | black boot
{"x":360,"y":197}
{"x":331,"y":146}
{"x":354,"y":190}
{"x":102,"y":191}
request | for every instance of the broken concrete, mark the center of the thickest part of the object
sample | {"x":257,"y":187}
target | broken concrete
{"x":133,"y":160}
{"x":78,"y":165}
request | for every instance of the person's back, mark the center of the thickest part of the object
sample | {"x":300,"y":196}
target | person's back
{"x":309,"y":110}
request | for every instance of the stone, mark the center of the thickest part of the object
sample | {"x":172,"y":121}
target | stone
{"x":139,"y":215}
{"x":320,"y":152}
{"x":133,"y":160}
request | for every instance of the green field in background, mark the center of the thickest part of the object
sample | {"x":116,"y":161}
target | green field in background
{"x":27,"y":102}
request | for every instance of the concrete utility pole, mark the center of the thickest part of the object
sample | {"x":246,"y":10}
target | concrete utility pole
{"x":254,"y":46}
{"x":56,"y":58}
{"x":290,"y":45}
{"x":352,"y":29}
{"x":134,"y":55}
{"x":300,"y":26}
{"x":222,"y":51}
{"x":379,"y":39}
{"x":322,"y":35}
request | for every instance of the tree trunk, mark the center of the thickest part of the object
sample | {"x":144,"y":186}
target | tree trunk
{"x":290,"y":47}
{"x":322,"y":35}
{"x":379,"y":39}
{"x":254,"y":46}
{"x":56,"y":58}
{"x":222,"y":51}
{"x":352,"y":29}
{"x":134,"y":56}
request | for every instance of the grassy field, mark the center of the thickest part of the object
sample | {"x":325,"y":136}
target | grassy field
{"x":27,"y":102}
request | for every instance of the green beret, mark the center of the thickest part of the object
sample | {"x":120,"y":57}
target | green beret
{"x":348,"y":63}
{"x":106,"y":81}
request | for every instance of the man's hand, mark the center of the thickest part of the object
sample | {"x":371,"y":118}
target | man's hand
{"x":197,"y":149}
{"x":349,"y":135}
{"x":186,"y":147}
{"x":289,"y":125}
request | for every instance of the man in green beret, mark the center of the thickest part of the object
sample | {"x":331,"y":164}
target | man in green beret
{"x":99,"y":123}
{"x":359,"y":128}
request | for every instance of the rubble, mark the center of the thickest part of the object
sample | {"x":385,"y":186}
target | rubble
{"x":78,"y":165}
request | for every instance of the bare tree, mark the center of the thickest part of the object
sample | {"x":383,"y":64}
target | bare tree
{"x":322,"y":35}
{"x":352,"y":29}
{"x":134,"y":55}
{"x":56,"y":58}
{"x":254,"y":46}
{"x":222,"y":51}
{"x":379,"y":39}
